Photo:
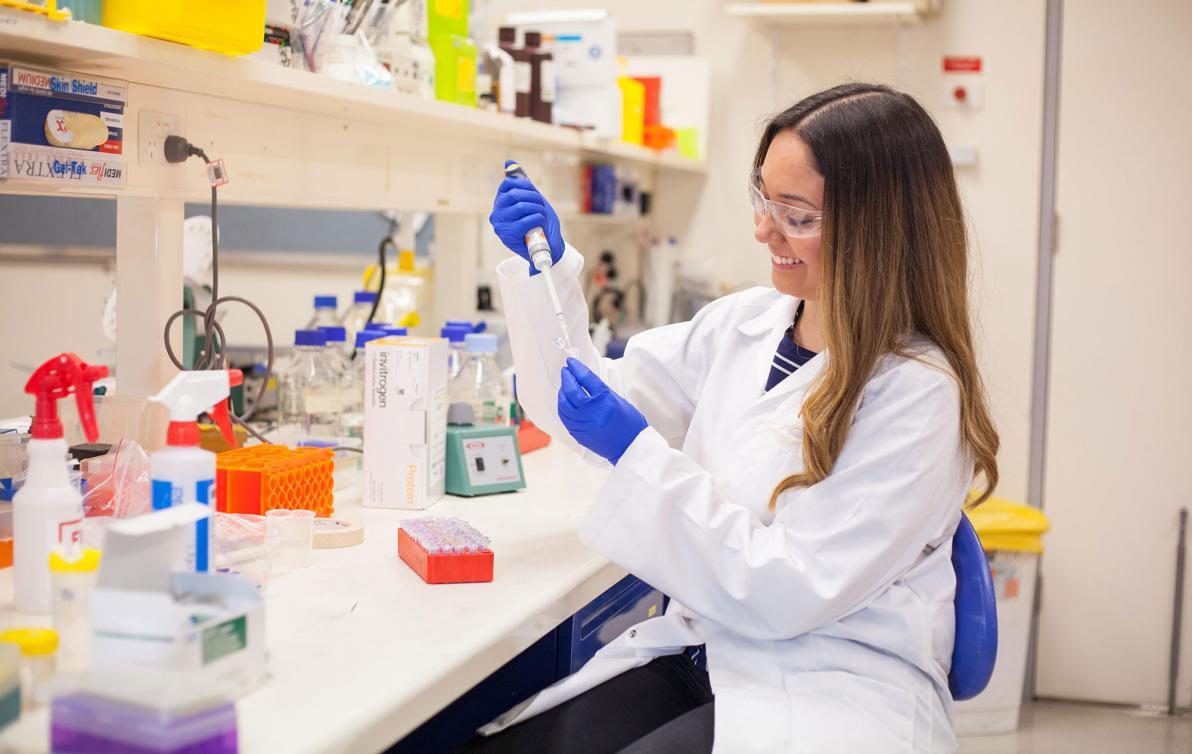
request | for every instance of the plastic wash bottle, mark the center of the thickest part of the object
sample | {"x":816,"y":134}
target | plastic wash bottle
{"x":182,"y":472}
{"x":48,"y":510}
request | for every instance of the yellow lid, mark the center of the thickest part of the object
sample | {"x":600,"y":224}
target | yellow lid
{"x":1003,"y":525}
{"x":88,"y":560}
{"x":34,"y":642}
{"x":405,"y":260}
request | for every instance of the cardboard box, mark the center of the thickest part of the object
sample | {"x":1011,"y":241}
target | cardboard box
{"x":210,"y":626}
{"x":61,"y":127}
{"x":405,"y":422}
{"x":583,"y":44}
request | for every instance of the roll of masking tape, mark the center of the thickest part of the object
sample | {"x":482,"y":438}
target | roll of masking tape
{"x":66,"y":128}
{"x":333,"y":532}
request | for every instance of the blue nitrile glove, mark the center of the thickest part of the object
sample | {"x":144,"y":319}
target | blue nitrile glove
{"x":519,"y":208}
{"x":598,"y":418}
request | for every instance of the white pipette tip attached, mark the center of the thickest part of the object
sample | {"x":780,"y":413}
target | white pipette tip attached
{"x":541,"y":258}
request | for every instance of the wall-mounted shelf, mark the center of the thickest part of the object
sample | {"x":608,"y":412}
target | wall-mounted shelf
{"x":830,"y":14}
{"x":140,"y":60}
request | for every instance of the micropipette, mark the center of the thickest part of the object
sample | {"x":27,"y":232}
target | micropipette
{"x":540,"y":257}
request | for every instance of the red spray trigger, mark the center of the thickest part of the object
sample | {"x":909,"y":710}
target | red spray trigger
{"x":57,"y":378}
{"x":219,"y":412}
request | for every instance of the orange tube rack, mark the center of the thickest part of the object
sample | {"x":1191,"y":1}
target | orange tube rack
{"x":265,"y":477}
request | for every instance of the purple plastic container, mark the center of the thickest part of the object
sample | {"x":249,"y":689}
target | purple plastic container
{"x":83,"y":723}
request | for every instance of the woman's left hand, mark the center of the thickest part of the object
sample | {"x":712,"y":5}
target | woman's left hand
{"x":598,"y":418}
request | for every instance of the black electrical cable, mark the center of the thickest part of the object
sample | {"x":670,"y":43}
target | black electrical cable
{"x":178,"y":149}
{"x":386,"y":243}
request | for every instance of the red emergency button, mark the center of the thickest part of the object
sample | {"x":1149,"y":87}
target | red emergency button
{"x":960,"y":94}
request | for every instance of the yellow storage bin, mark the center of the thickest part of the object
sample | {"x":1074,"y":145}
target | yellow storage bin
{"x":232,"y":27}
{"x":1009,"y":527}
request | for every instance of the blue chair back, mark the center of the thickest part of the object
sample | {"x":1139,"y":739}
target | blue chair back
{"x":975,"y":650}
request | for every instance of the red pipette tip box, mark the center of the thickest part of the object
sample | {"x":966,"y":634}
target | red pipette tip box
{"x":444,"y":568}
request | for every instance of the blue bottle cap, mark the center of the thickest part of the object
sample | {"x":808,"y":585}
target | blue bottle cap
{"x":480,"y":343}
{"x":310,"y":338}
{"x":364,"y":336}
{"x":454,"y":333}
{"x":325,"y":302}
{"x":334,"y":334}
{"x":392,"y":330}
{"x":364,"y":297}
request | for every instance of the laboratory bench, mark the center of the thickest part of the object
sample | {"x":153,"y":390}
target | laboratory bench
{"x":361,"y":652}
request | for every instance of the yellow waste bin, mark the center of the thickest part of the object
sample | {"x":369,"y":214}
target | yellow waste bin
{"x":1012,"y":536}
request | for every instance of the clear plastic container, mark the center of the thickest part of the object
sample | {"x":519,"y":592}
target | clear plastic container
{"x":479,"y":379}
{"x":241,"y":547}
{"x":308,"y":392}
{"x":72,"y":581}
{"x":232,"y":27}
{"x":352,"y":419}
{"x":5,"y":535}
{"x":73,"y":578}
{"x":324,"y":315}
{"x":39,"y":649}
{"x":290,"y":535}
{"x":402,"y":291}
{"x":357,"y":316}
{"x":456,"y":352}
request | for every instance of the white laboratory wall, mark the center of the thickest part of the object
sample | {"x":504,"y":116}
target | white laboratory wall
{"x":758,"y":69}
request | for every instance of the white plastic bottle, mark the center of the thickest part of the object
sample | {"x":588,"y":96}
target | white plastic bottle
{"x":48,"y":510}
{"x":308,"y":394}
{"x":182,"y":472}
{"x":479,"y":378}
{"x":324,"y":316}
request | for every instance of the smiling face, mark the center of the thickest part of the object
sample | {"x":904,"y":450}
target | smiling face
{"x":788,"y":175}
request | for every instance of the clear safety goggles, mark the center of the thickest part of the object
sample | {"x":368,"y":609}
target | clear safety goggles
{"x":793,"y":222}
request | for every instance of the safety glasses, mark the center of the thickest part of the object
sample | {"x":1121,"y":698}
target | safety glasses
{"x":794,"y":222}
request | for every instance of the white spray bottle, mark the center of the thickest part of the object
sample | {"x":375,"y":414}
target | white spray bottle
{"x":182,"y":472}
{"x":48,"y":510}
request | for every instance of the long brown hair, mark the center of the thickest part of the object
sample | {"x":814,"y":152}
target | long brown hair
{"x":894,"y":254}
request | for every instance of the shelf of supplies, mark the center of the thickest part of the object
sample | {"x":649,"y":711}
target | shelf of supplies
{"x":830,"y":14}
{"x":141,"y":60}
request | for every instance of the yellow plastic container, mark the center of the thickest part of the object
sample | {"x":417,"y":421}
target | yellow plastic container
{"x":633,"y":110}
{"x":232,"y":27}
{"x":455,"y":69}
{"x":1004,"y":526}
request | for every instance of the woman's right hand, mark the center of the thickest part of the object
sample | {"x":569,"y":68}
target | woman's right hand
{"x":519,"y":208}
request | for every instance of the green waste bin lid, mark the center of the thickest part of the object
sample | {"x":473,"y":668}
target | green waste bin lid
{"x":1003,"y":525}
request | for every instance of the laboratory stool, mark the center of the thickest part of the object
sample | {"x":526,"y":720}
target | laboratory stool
{"x":975,"y":648}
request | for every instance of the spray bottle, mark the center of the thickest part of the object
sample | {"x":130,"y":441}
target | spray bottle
{"x":540,"y":257}
{"x":182,"y":472}
{"x":48,"y":510}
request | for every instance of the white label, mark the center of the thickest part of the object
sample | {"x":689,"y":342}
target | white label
{"x":522,"y":73}
{"x":547,"y":81}
{"x":491,"y":460}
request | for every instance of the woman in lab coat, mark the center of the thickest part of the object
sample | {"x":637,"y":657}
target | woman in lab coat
{"x":789,"y":466}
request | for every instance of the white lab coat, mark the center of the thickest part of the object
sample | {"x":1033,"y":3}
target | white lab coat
{"x":829,"y":624}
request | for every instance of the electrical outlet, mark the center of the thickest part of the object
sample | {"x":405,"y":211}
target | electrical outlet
{"x":152,"y":130}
